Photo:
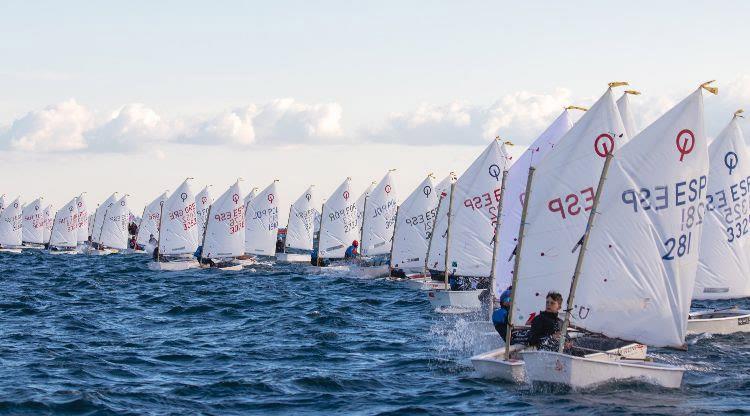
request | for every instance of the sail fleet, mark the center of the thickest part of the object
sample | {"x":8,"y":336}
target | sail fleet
{"x":629,"y":226}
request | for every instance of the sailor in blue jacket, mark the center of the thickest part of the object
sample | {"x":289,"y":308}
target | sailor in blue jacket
{"x":352,"y":251}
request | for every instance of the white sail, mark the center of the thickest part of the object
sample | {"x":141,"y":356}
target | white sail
{"x":416,"y":215}
{"x":438,"y":238}
{"x":149,"y":224}
{"x":99,"y":216}
{"x":361,"y":202}
{"x":724,"y":264}
{"x":178,"y":232}
{"x":202,"y":201}
{"x":562,"y":193}
{"x":225,"y":228}
{"x":33,"y":223}
{"x":82,"y":233}
{"x":114,"y":231}
{"x":626,"y":114}
{"x":339,"y":223}
{"x":302,"y":214}
{"x":65,"y":226}
{"x":379,"y":218}
{"x":642,"y":256}
{"x":262,"y":222}
{"x":11,"y":225}
{"x":515,"y":187}
{"x":474,"y":213}
{"x":2,"y":202}
{"x":48,"y":220}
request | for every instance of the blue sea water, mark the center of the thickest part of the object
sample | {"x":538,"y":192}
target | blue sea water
{"x":104,"y":335}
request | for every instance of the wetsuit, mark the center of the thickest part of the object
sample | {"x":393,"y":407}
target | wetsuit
{"x":543,"y":327}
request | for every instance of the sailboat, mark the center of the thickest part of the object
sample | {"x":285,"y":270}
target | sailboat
{"x":378,"y":223}
{"x":248,"y":259}
{"x":97,"y":222}
{"x":362,"y":204}
{"x":471,"y":219}
{"x":724,"y":264}
{"x":113,"y":236}
{"x":411,"y":233}
{"x":558,"y":192}
{"x":339,"y":225}
{"x":434,"y":268}
{"x":11,"y":228}
{"x":262,"y":222}
{"x":202,"y":202}
{"x":300,"y":228}
{"x":48,"y":219}
{"x":82,"y":235}
{"x":64,"y":232}
{"x":33,"y":225}
{"x":148,"y":227}
{"x":643,"y":208}
{"x":224,"y":235}
{"x":178,"y":231}
{"x":626,"y":112}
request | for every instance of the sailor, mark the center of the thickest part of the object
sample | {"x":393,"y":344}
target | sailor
{"x":352,"y":251}
{"x":546,"y":327}
{"x":152,"y":241}
{"x":500,"y":315}
{"x":279,"y":245}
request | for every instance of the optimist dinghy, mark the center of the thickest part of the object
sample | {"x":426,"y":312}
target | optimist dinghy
{"x":64,"y":232}
{"x":262,"y":223}
{"x":11,"y":228}
{"x":380,"y":207}
{"x":647,"y":301}
{"x":33,"y":225}
{"x":300,"y":229}
{"x":724,"y":266}
{"x":178,"y":231}
{"x":224,"y":235}
{"x":472,"y":217}
{"x":339,"y":225}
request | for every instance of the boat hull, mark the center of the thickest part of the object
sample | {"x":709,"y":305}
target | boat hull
{"x":492,"y":365}
{"x":59,"y":252}
{"x":719,"y":322}
{"x":172,"y":265}
{"x":424,"y":283}
{"x":10,"y":250}
{"x":455,"y":301}
{"x":292,"y":258}
{"x":583,"y":372}
{"x":105,"y":252}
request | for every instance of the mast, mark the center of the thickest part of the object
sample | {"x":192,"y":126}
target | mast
{"x":390,"y":255}
{"x":362,"y":229}
{"x":49,"y":243}
{"x":203,"y":240}
{"x":517,"y":262}
{"x":432,"y":234}
{"x":158,"y":240}
{"x":584,"y":243}
{"x":495,"y":241}
{"x":288,"y":221}
{"x":448,"y":233}
{"x":320,"y":232}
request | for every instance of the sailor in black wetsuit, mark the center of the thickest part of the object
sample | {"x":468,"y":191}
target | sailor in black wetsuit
{"x":546,"y":327}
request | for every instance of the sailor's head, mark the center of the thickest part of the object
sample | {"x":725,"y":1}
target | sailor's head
{"x":150,"y":236}
{"x":554,"y":302}
{"x":355,"y":243}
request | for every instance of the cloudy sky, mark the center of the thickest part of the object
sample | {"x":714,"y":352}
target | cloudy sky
{"x":134,"y":97}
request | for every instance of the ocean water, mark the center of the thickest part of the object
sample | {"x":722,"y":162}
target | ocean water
{"x":104,"y":335}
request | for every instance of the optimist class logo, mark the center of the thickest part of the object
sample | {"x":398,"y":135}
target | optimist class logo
{"x":685,"y":142}
{"x":604,"y":144}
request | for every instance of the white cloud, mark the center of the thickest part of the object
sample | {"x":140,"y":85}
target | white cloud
{"x":517,"y":117}
{"x":129,"y":128}
{"x":58,"y":127}
{"x":281,"y":121}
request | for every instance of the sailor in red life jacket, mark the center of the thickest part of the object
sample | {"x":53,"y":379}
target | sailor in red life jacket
{"x":352,"y":251}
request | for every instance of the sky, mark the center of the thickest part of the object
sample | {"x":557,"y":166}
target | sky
{"x":135,"y":96}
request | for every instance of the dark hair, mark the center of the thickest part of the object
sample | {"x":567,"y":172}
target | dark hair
{"x":556,"y":296}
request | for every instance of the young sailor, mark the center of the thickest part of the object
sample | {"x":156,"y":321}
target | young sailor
{"x":546,"y":327}
{"x":500,"y":315}
{"x":352,"y":251}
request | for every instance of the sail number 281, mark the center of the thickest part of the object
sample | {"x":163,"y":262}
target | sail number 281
{"x":678,"y":247}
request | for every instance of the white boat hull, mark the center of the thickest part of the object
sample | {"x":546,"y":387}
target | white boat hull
{"x":58,"y":252}
{"x":455,"y":301}
{"x":10,"y":250}
{"x":292,"y":258}
{"x":423,"y":283}
{"x":719,"y":322}
{"x":581,"y":373}
{"x":247,"y":262}
{"x":373,"y":271}
{"x":173,"y":265}
{"x":104,"y":252}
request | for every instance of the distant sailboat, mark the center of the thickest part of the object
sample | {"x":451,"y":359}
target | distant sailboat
{"x":178,"y":231}
{"x":339,"y":224}
{"x":33,"y":224}
{"x":416,"y":216}
{"x":149,"y":224}
{"x":202,"y":201}
{"x":113,"y":235}
{"x":64,"y":232}
{"x":82,"y":235}
{"x":224,"y":236}
{"x":300,"y":228}
{"x":377,"y":227}
{"x":11,"y":227}
{"x":262,"y":222}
